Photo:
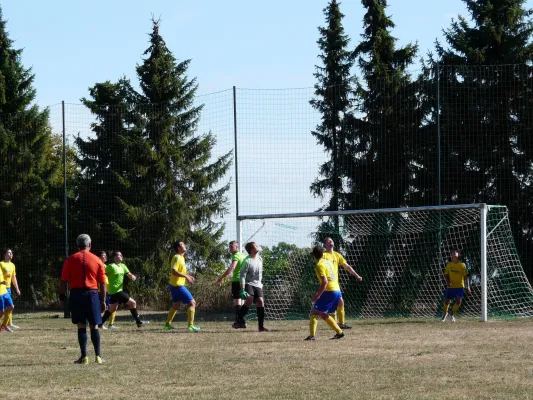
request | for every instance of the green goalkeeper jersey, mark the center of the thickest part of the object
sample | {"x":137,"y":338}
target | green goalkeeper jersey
{"x":239,"y":257}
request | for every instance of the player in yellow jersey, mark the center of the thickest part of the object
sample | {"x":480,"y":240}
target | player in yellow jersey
{"x":178,"y":290}
{"x":338,"y":260}
{"x":327,"y":297}
{"x":10,"y":276}
{"x":6,"y":303}
{"x":456,"y":276}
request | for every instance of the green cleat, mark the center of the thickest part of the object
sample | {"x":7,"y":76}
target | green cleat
{"x":82,"y":360}
{"x":98,"y":360}
{"x":169,"y":328}
{"x":192,"y":328}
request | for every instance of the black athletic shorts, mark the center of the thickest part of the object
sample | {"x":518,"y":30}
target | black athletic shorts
{"x":253,"y":291}
{"x":236,"y":290}
{"x":84,"y":306}
{"x":120,"y":297}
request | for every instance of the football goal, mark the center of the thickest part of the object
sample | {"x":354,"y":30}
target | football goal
{"x":401,"y":255}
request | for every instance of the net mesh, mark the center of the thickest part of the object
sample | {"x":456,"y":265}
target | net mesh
{"x":401,"y":256}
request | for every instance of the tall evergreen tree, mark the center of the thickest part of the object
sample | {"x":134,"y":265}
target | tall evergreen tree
{"x":334,"y":99}
{"x":185,"y":179}
{"x":29,"y":202}
{"x":485,"y":111}
{"x":384,"y":166}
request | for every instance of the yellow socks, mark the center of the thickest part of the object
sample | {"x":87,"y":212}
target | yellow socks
{"x":456,"y":307}
{"x":190,"y":315}
{"x":333,"y":325}
{"x":7,"y":318}
{"x":313,"y":323}
{"x":446,"y":307}
{"x":340,"y":315}
{"x":112,"y":318}
{"x":171,"y":315}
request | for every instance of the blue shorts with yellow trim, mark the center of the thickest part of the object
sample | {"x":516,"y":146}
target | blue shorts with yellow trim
{"x":452,"y":293}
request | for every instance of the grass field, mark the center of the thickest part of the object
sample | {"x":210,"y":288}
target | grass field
{"x":378,"y":359}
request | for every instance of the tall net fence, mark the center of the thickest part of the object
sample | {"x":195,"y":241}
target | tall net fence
{"x":401,"y":256}
{"x":451,"y":135}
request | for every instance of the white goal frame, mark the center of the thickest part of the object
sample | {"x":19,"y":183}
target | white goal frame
{"x":483,"y":232}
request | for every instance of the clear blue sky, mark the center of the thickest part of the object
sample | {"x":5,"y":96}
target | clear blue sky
{"x":71,"y":45}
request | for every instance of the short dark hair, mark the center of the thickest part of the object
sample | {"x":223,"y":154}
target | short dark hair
{"x":5,"y":251}
{"x":176,"y":244}
{"x":249,"y":246}
{"x":113,"y":254}
{"x":102,"y":252}
{"x":318,"y":252}
{"x":233,"y":242}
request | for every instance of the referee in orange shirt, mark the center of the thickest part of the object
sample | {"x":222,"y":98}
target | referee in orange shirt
{"x":85,"y":272}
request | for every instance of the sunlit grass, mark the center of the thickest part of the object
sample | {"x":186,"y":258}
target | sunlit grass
{"x":378,"y":359}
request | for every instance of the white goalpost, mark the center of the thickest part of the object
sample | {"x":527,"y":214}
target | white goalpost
{"x":401,"y":254}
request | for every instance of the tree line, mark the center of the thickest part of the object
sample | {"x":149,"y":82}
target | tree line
{"x":458,"y":131}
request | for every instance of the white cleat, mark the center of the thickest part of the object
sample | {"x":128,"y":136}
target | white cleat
{"x":443,"y":319}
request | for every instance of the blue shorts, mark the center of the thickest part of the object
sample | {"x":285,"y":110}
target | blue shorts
{"x":107,"y":299}
{"x":85,"y":306}
{"x":328,"y":302}
{"x":451,"y":294}
{"x":7,"y":299}
{"x":180,"y":293}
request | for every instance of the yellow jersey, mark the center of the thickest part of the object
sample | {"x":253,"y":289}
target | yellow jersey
{"x":3,"y":288}
{"x":177,"y":264}
{"x":8,"y":269}
{"x":325,"y":268}
{"x":457,"y":273}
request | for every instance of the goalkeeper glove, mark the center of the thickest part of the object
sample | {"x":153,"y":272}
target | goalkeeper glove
{"x":243,"y":294}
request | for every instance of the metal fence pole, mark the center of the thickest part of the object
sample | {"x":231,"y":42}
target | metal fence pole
{"x":66,"y":311}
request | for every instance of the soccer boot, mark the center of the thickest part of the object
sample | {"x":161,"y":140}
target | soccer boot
{"x":98,"y":360}
{"x":443,"y":319}
{"x":169,"y":328}
{"x":338,"y":336}
{"x":344,"y":326}
{"x":192,"y":328}
{"x":310,"y":338}
{"x":452,"y":318}
{"x":82,"y":360}
{"x":263,"y":329}
{"x":142,"y":323}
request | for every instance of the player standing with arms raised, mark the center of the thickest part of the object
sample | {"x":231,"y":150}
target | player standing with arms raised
{"x":456,"y":276}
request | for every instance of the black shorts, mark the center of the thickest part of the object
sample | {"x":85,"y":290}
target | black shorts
{"x":84,"y":306}
{"x":236,"y":290}
{"x":253,"y":291}
{"x":119,"y":297}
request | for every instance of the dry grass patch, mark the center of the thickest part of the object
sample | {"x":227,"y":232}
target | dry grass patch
{"x":383,"y":359}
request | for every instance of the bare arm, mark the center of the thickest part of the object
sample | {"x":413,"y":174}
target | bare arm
{"x":467,"y":281}
{"x":323,"y":284}
{"x":189,"y":278}
{"x":351,"y":271}
{"x":15,"y":284}
{"x":131,"y":276}
{"x":228,"y":271}
{"x":62,"y":291}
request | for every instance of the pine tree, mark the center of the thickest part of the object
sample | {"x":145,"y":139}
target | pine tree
{"x":29,"y":202}
{"x":383,"y":168}
{"x":186,"y":180}
{"x":334,"y":100}
{"x":485,"y":107}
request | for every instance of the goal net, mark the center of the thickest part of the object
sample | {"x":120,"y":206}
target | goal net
{"x":401,"y":255}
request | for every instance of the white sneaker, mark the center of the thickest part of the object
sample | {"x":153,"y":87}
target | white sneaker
{"x":453,"y":319}
{"x":443,"y":319}
{"x":113,"y":327}
{"x":14,"y":326}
